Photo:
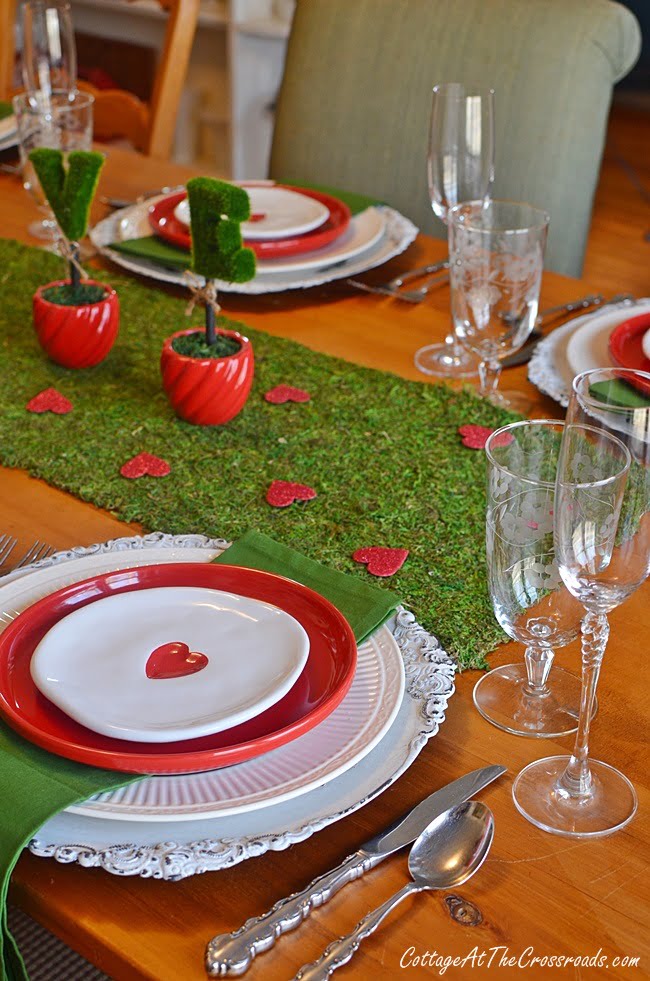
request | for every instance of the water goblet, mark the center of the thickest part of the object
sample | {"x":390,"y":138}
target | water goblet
{"x":460,"y":167}
{"x":49,"y":55}
{"x":529,"y":599}
{"x":496,"y":257}
{"x":602,"y":540}
{"x":62,"y":120}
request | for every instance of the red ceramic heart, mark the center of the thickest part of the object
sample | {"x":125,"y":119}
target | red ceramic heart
{"x":286,"y":393}
{"x":282,"y":493}
{"x":174,"y":660}
{"x":381,"y":561}
{"x":49,"y":400}
{"x":145,"y":465}
{"x":475,"y":437}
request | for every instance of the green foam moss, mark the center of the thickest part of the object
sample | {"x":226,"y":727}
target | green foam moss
{"x":74,"y":296}
{"x":69,"y":189}
{"x":383,"y":453}
{"x":196,"y":346}
{"x":216,"y":210}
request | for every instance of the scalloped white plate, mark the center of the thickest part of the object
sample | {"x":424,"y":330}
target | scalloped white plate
{"x":283,"y":213}
{"x":172,"y":850}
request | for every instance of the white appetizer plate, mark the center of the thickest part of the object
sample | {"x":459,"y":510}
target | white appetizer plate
{"x":553,"y":367}
{"x":284,"y":213}
{"x":93,"y":663}
{"x":174,"y":849}
{"x":373,"y":237}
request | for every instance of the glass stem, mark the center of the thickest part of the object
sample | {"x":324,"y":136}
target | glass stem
{"x":538,"y":666}
{"x":576,"y":779}
{"x":489,"y":372}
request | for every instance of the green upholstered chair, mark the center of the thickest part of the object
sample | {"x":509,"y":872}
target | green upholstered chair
{"x":353,"y":108}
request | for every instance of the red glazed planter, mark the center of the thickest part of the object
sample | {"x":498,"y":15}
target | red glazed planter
{"x":207,"y":391}
{"x":76,"y":337}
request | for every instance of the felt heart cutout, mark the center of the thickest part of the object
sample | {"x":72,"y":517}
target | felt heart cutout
{"x":174,"y":660}
{"x":286,"y":393}
{"x":475,"y":437}
{"x":282,"y":493}
{"x":381,"y":561}
{"x":49,"y":400}
{"x":145,"y":464}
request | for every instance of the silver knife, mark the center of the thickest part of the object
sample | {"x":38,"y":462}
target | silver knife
{"x":233,"y":953}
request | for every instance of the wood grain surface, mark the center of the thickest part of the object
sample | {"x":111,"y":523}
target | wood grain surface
{"x":539,"y":895}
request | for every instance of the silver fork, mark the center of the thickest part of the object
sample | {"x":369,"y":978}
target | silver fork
{"x":36,"y":552}
{"x":7,"y":545}
{"x":392,"y":287}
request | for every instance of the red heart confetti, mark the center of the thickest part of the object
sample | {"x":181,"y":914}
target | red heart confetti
{"x":49,"y":400}
{"x":475,"y":437}
{"x":286,"y":393}
{"x":381,"y":561}
{"x":282,"y":493}
{"x":145,"y":464}
{"x":174,"y":660}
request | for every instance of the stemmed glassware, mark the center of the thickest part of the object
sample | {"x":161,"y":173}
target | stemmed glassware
{"x":460,"y":167}
{"x":602,"y":543}
{"x":529,"y":599}
{"x":49,"y":56}
{"x":496,"y":257}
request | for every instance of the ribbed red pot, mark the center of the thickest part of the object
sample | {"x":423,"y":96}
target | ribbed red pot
{"x":76,"y":337}
{"x":207,"y":391}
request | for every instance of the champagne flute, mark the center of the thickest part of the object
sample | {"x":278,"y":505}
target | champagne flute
{"x":529,"y":599}
{"x":602,"y":537}
{"x":460,"y":167}
{"x":49,"y":56}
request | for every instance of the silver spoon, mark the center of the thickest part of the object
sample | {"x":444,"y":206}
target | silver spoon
{"x":449,"y":850}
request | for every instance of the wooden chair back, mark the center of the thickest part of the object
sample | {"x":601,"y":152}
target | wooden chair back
{"x":7,"y":53}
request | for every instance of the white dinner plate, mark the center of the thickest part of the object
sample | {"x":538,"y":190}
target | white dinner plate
{"x":373,"y":237}
{"x":173,"y":849}
{"x":588,"y":347}
{"x":282,"y":212}
{"x":8,"y":132}
{"x":169,"y":663}
{"x":549,"y":368}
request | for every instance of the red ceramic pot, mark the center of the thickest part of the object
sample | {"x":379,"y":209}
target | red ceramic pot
{"x":77,"y":337}
{"x":207,"y":391}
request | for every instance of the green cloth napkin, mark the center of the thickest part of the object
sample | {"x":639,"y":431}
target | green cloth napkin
{"x":617,"y":392}
{"x":164,"y":254}
{"x":36,"y":784}
{"x":364,"y":606}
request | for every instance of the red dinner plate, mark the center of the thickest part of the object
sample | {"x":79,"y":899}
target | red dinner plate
{"x":319,"y":689}
{"x":167,"y":226}
{"x":625,"y":347}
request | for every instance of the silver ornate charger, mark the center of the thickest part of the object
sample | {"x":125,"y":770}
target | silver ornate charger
{"x":172,"y":851}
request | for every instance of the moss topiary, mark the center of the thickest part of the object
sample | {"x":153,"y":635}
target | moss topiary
{"x":69,"y":192}
{"x":216,"y":212}
{"x":69,"y":295}
{"x":196,"y":346}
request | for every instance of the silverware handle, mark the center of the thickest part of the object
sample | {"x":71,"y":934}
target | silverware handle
{"x":406,"y":277}
{"x":586,"y":301}
{"x":341,"y":951}
{"x":233,"y":953}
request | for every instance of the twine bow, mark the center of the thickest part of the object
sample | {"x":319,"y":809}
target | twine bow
{"x":203,"y":291}
{"x":70,"y":252}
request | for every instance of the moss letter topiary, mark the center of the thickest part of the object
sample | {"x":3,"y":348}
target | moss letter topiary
{"x":216,"y":211}
{"x":69,"y":193}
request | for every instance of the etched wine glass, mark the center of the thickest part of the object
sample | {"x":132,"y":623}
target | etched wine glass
{"x":496,"y":258}
{"x":602,"y":540}
{"x":529,"y":599}
{"x":460,"y":167}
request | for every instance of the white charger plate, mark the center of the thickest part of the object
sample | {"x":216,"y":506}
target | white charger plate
{"x":365,"y":243}
{"x":549,"y":369}
{"x":285,"y":213}
{"x":93,"y":662}
{"x":172,"y":849}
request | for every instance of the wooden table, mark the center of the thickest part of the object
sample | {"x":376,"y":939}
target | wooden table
{"x":554,"y":895}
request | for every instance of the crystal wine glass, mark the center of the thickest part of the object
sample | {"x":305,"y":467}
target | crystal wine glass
{"x":460,"y":167}
{"x":602,"y":536}
{"x":63,"y":121}
{"x":496,"y":257}
{"x":49,"y":56}
{"x":530,"y":601}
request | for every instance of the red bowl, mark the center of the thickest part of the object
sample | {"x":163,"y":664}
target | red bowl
{"x":625,"y":347}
